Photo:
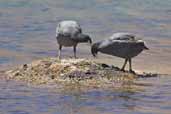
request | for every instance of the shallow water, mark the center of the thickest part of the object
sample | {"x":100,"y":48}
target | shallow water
{"x":27,"y":32}
{"x":145,"y":96}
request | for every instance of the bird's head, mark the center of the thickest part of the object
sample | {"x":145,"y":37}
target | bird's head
{"x":88,"y":39}
{"x":94,"y":49}
{"x":84,"y":38}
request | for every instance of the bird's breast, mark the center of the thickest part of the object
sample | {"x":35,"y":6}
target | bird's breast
{"x":66,"y":41}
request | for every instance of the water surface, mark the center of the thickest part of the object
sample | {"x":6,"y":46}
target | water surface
{"x":27,"y":28}
{"x":151,"y":96}
{"x":27,"y":32}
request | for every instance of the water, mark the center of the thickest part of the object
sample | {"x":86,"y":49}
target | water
{"x":27,"y":28}
{"x":27,"y":32}
{"x":146,"y":96}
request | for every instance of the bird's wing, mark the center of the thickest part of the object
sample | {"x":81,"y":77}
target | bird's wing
{"x":121,"y":48}
{"x":118,"y":48}
{"x":105,"y":43}
{"x":117,"y":44}
{"x":123,"y":36}
{"x":110,"y":47}
{"x":68,"y":28}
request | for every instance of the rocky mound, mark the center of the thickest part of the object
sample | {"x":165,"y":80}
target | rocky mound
{"x":65,"y":71}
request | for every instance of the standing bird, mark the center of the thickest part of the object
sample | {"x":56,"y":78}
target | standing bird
{"x":123,"y":45}
{"x":69,"y":34}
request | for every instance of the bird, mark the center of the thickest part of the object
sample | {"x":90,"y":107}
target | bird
{"x":123,"y":45}
{"x":69,"y":34}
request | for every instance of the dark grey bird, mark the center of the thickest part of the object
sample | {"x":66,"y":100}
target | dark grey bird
{"x":69,"y":34}
{"x":124,"y":45}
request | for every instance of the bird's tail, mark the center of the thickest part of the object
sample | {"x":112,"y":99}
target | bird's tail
{"x":145,"y":47}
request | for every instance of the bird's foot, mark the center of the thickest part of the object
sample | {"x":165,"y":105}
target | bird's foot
{"x":59,"y":58}
{"x":131,"y":71}
{"x":122,"y":70}
{"x":73,"y":57}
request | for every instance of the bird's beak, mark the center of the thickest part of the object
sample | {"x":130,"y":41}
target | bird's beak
{"x":94,"y":56}
{"x":89,"y":43}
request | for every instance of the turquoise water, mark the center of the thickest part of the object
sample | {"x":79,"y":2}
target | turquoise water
{"x":27,"y":32}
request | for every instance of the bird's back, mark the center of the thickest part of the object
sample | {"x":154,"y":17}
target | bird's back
{"x":123,"y":36}
{"x":68,"y":28}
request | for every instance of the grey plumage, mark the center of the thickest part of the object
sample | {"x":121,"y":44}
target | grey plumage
{"x":69,"y":34}
{"x":124,"y":45}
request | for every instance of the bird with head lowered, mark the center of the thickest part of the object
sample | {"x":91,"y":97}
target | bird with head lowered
{"x":123,"y":45}
{"x":69,"y":34}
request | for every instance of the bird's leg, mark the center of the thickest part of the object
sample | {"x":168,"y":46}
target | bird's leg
{"x":130,"y":66}
{"x":74,"y":48}
{"x":59,"y":52}
{"x":123,"y":67}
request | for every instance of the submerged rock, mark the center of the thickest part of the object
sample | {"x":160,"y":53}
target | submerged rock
{"x":67,"y":71}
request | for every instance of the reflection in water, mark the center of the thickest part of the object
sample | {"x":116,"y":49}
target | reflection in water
{"x":145,"y":96}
